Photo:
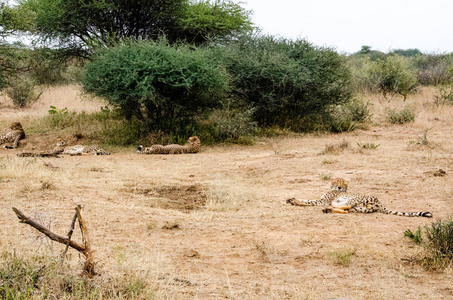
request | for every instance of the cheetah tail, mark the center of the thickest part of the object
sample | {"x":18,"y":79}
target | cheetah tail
{"x":425,"y":214}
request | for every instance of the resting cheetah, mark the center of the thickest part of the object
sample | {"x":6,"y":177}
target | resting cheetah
{"x":61,"y":144}
{"x":338,"y":200}
{"x":192,"y":146}
{"x":62,"y":149}
{"x":13,"y":136}
{"x":84,"y":150}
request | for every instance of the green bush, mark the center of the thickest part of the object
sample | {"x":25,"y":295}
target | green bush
{"x":156,"y":82}
{"x":232,"y":125}
{"x":284,"y":81}
{"x":339,"y":118}
{"x":393,"y":75}
{"x":405,"y":115}
{"x":22,"y":91}
{"x":437,"y":242}
{"x":445,"y":95}
{"x":434,"y":69}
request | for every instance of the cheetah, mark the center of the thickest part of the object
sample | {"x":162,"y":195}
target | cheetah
{"x":62,"y":149}
{"x":192,"y":146}
{"x":61,"y":144}
{"x":84,"y":150}
{"x":17,"y":133}
{"x":337,"y":200}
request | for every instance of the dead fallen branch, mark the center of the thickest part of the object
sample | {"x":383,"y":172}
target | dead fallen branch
{"x":84,"y":248}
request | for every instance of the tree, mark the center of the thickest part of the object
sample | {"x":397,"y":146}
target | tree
{"x":203,"y":20}
{"x":393,"y":75}
{"x":156,"y":82}
{"x":80,"y":26}
{"x":285,"y":81}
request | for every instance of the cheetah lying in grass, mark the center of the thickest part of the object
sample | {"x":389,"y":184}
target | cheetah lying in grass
{"x":337,"y":200}
{"x":192,"y":146}
{"x":61,"y":148}
{"x":13,"y":136}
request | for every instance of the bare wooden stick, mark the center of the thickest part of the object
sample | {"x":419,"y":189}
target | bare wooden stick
{"x":89,"y":262}
{"x":71,"y":230}
{"x":84,"y":249}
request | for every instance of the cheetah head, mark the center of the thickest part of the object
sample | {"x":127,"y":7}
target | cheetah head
{"x":339,"y":184}
{"x":139,"y":149}
{"x":16,"y":125}
{"x":61,"y":142}
{"x":194,"y":140}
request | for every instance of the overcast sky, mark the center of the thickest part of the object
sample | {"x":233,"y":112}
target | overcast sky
{"x":347,"y":25}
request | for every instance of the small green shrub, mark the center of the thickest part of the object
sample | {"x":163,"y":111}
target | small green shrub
{"x":405,"y":115}
{"x":367,"y":145}
{"x":437,"y":242}
{"x":342,"y":257}
{"x":53,"y":110}
{"x":22,"y":91}
{"x":416,"y":237}
{"x":434,"y":69}
{"x":445,"y":95}
{"x":232,"y":125}
{"x":390,"y":75}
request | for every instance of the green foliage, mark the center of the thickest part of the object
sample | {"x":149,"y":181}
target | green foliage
{"x":156,"y":82}
{"x":394,"y":75}
{"x":434,"y":69}
{"x":405,"y":115}
{"x":285,"y":81}
{"x":18,"y":278}
{"x":445,"y":95}
{"x":367,"y":145}
{"x":407,"y":52}
{"x":80,"y":27}
{"x":15,"y":18}
{"x":232,"y":125}
{"x":45,"y":278}
{"x":416,"y":237}
{"x":437,"y":241}
{"x":53,"y":110}
{"x":22,"y":91}
{"x":342,"y":257}
{"x":373,"y":55}
{"x":205,"y":19}
{"x":439,"y":237}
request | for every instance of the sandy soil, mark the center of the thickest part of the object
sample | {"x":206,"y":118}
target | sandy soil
{"x":215,"y":224}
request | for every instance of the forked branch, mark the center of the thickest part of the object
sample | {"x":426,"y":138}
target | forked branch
{"x":85,"y":249}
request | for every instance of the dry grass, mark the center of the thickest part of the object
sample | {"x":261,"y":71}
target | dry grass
{"x":243,"y":241}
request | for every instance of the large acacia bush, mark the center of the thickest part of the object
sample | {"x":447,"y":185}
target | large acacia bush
{"x":285,"y":81}
{"x":156,"y":82}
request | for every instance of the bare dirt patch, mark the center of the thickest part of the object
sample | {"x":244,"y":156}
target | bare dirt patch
{"x":182,"y":198}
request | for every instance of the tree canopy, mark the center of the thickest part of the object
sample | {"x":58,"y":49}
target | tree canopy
{"x":79,"y":26}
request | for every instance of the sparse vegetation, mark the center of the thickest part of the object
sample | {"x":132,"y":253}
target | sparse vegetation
{"x":367,"y":145}
{"x":336,"y":148}
{"x":45,"y":278}
{"x":405,"y":115}
{"x":342,"y":257}
{"x":445,"y":95}
{"x":437,"y":242}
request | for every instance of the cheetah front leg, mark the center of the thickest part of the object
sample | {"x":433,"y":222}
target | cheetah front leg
{"x":337,"y":210}
{"x":299,"y":202}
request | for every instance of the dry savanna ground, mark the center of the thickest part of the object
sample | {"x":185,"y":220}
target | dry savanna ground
{"x":215,"y":224}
